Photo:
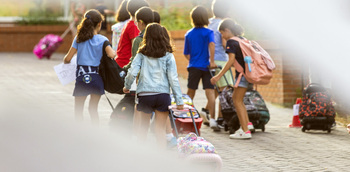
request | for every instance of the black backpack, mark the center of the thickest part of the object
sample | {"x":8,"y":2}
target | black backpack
{"x":112,"y":74}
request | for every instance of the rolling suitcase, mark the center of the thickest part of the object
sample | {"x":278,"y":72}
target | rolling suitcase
{"x":123,"y":113}
{"x":316,"y":110}
{"x":49,"y":44}
{"x":186,"y":120}
{"x":257,"y":111}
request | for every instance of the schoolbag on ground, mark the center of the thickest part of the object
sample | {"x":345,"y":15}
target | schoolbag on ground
{"x":257,"y":110}
{"x":258,"y":63}
{"x":316,"y":110}
{"x":112,"y":74}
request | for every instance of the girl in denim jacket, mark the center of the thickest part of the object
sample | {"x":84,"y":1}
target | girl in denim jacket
{"x":158,"y":74}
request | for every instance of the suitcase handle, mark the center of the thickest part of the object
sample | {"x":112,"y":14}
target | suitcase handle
{"x":212,"y":75}
{"x":172,"y":120}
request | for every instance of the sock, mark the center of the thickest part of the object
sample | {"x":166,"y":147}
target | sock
{"x":169,"y":136}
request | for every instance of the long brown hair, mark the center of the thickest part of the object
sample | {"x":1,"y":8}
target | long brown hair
{"x":156,"y":41}
{"x":87,"y":26}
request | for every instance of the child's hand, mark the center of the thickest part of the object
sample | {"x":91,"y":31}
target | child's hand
{"x":179,"y":107}
{"x":213,"y":65}
{"x":214,"y":79}
{"x":126,"y":90}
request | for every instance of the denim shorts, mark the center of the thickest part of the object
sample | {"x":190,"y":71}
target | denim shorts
{"x":243,"y":83}
{"x":149,"y":104}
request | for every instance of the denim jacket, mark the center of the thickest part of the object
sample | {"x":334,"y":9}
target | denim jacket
{"x":156,"y":75}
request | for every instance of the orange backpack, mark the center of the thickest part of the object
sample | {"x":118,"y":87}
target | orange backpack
{"x":258,"y":63}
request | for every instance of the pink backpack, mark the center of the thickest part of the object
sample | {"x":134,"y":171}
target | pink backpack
{"x":258,"y":63}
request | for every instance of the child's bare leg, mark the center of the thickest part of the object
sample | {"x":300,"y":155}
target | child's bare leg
{"x":144,"y":122}
{"x":136,"y":120}
{"x":238,"y":95}
{"x":160,"y":125}
{"x":79,"y":107}
{"x":210,"y":94}
{"x":93,"y":108}
{"x":168,"y":128}
{"x":191,"y":93}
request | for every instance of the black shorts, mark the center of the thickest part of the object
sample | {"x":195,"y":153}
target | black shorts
{"x":195,"y":75}
{"x":149,"y":104}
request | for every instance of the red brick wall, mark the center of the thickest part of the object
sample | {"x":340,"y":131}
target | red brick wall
{"x":24,"y":38}
{"x":283,"y":89}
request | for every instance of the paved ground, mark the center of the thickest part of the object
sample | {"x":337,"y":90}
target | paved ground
{"x":35,"y":128}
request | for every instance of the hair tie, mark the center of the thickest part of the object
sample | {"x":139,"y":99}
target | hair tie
{"x":87,"y":16}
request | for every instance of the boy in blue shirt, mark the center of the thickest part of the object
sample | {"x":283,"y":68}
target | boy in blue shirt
{"x":199,"y":42}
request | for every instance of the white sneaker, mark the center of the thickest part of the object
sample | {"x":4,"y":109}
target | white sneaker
{"x":250,"y":126}
{"x":241,"y":135}
{"x":205,"y":118}
{"x":214,"y":125}
{"x":239,"y":130}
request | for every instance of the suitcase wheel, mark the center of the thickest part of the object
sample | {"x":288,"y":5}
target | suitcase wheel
{"x":303,"y":129}
{"x":226,"y":127}
{"x":253,"y":130}
{"x":232,"y":131}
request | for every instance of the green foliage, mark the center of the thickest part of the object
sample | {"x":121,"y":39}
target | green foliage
{"x":42,"y":16}
{"x":29,"y":20}
{"x":175,"y":18}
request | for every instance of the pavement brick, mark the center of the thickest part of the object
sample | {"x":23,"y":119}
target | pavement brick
{"x":26,"y":81}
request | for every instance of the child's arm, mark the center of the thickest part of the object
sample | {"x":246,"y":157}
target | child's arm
{"x":68,"y":57}
{"x":134,"y":49}
{"x":174,"y":81}
{"x":212,"y":52}
{"x":229,"y":63}
{"x":187,"y":56}
{"x":110,"y":52}
{"x":132,"y":73}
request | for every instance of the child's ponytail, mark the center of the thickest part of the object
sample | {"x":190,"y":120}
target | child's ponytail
{"x":231,"y":25}
{"x":87,"y":26}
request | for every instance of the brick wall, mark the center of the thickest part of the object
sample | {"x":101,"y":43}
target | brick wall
{"x":283,"y":89}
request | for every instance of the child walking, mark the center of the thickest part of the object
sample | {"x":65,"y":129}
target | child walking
{"x":156,"y":63}
{"x":89,"y":48}
{"x":199,"y":41}
{"x":220,"y":11}
{"x":122,"y":17}
{"x":130,"y":31}
{"x":143,"y":17}
{"x":228,"y":29}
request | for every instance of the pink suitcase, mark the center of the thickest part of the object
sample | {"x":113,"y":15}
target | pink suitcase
{"x":49,"y":44}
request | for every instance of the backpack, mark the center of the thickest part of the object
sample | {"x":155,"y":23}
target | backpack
{"x":111,"y":73}
{"x":258,"y":63}
{"x":316,"y":102}
{"x":191,"y":144}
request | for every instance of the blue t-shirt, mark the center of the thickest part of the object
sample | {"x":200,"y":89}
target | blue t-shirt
{"x":90,"y":51}
{"x":219,"y":49}
{"x":197,"y":46}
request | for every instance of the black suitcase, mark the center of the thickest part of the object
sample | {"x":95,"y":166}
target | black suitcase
{"x":258,"y":113}
{"x":123,"y":114}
